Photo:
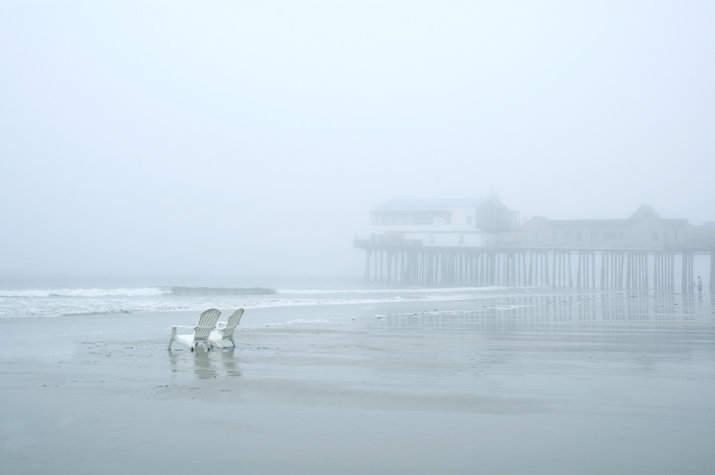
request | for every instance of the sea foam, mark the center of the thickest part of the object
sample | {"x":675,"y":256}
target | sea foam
{"x":123,"y":292}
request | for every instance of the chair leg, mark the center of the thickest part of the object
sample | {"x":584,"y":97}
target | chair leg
{"x":173,"y":337}
{"x":232,"y":342}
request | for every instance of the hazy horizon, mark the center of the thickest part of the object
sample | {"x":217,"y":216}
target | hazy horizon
{"x":250,"y":140}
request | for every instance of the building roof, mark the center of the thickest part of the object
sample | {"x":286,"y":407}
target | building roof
{"x":433,"y":204}
{"x":676,"y":223}
{"x":588,"y":223}
{"x":643,"y":212}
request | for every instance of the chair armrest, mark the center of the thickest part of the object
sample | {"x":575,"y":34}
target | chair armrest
{"x":218,"y":325}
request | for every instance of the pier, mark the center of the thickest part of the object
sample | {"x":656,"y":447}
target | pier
{"x":642,"y":252}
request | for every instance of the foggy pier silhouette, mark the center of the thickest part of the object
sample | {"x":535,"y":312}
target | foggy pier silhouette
{"x":642,"y":252}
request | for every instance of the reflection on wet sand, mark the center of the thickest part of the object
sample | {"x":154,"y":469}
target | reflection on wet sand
{"x":206,"y":364}
{"x":594,"y":307}
{"x":639,"y":324}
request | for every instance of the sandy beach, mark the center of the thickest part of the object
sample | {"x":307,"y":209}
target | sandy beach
{"x":591,"y":384}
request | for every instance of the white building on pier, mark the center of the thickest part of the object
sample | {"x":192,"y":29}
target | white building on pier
{"x":470,"y":222}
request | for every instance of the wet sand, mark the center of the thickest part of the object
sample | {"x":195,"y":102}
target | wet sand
{"x":589,"y":384}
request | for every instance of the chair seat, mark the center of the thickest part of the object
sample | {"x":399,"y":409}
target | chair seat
{"x":207,"y":324}
{"x":187,"y":340}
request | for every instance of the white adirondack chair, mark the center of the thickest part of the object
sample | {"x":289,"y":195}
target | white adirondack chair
{"x":224,"y":330}
{"x":207,"y":323}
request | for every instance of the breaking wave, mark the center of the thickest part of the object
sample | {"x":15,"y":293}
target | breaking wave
{"x":136,"y":292}
{"x":38,"y":293}
{"x":392,"y":290}
{"x":221,"y":291}
{"x":104,"y":307}
{"x":98,"y":301}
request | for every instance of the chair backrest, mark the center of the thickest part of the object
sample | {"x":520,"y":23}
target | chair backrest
{"x":232,"y":322}
{"x":207,"y":322}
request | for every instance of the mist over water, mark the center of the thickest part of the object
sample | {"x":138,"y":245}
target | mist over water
{"x":249,"y":141}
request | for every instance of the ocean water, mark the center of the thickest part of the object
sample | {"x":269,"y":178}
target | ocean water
{"x":56,"y":297}
{"x":335,"y":298}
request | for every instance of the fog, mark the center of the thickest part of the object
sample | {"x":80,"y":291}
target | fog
{"x":251,"y":139}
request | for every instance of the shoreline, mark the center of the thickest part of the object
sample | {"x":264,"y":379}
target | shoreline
{"x":402,"y":388}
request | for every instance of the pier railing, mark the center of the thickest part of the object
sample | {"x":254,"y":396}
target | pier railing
{"x":691,"y":245}
{"x":702,"y":246}
{"x":386,"y":243}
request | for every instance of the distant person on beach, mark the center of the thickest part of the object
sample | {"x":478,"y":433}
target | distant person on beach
{"x":700,"y":285}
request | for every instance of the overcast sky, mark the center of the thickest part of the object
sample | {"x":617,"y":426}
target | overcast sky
{"x":251,"y":138}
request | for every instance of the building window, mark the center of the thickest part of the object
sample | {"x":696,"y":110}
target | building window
{"x":654,"y":235}
{"x":431,"y":238}
{"x":539,"y":236}
{"x":554,"y":235}
{"x":578,"y":236}
{"x":610,"y":235}
{"x":461,"y":239}
{"x":469,"y":220}
{"x":411,"y":217}
{"x":623,"y":236}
